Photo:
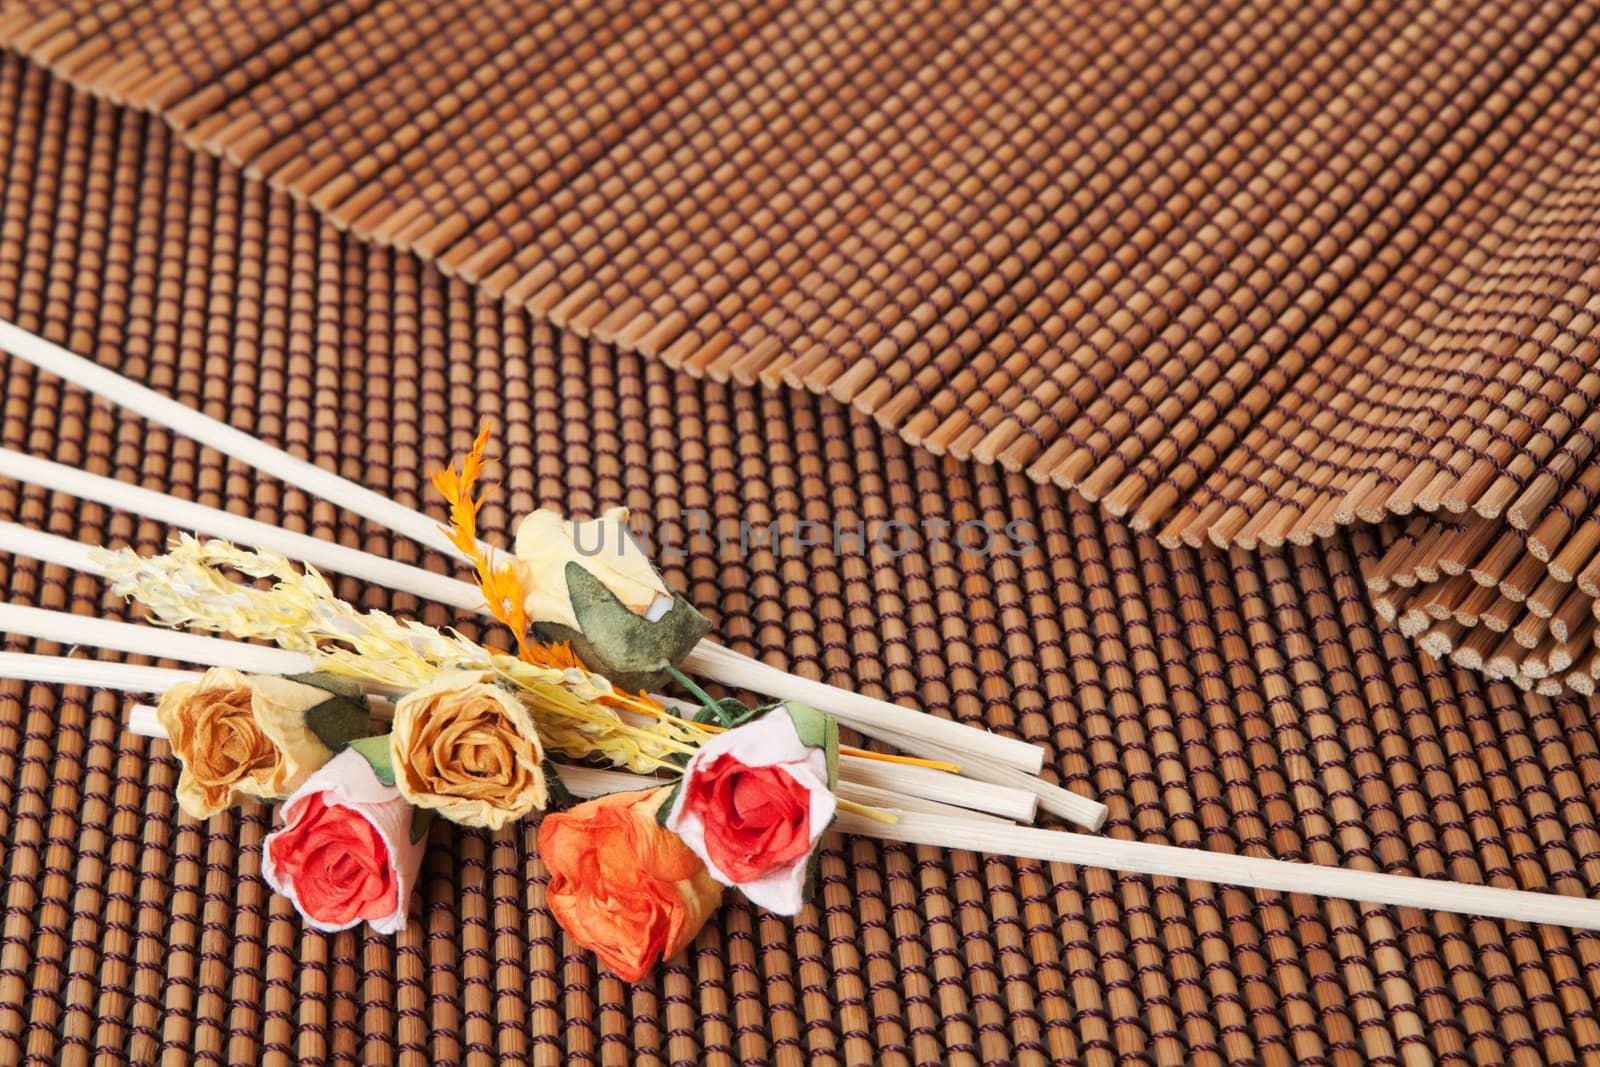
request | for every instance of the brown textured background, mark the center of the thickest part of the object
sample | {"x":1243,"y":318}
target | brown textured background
{"x":1230,"y":701}
{"x":1238,"y":269}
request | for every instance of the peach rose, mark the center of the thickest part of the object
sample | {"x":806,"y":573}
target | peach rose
{"x":547,"y":542}
{"x":240,"y":736}
{"x":466,"y":748}
{"x":755,"y":801}
{"x":621,"y":885}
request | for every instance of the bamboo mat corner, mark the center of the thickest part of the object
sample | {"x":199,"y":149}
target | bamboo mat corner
{"x":1216,"y":698}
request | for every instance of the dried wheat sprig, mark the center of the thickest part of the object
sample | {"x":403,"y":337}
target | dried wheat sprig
{"x":190,"y":587}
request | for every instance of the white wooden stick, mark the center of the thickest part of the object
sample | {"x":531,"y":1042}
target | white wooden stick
{"x":862,"y":713}
{"x":1075,"y":808}
{"x":145,"y":640}
{"x":903,"y":779}
{"x":62,"y":670}
{"x":873,"y":717}
{"x":49,"y":548}
{"x":116,"y":389}
{"x":998,"y":838}
{"x":907,"y":782}
{"x":188,"y":515}
{"x":1136,"y":857}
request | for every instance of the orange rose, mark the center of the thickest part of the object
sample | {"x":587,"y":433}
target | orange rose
{"x":623,"y":886}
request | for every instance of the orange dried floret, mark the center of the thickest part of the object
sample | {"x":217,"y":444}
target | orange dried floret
{"x":498,"y":582}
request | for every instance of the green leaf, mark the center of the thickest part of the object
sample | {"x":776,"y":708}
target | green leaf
{"x":332,"y":683}
{"x":341,"y":718}
{"x":421,"y":818}
{"x":628,"y":649}
{"x":375,"y":750}
{"x":817,"y":730}
{"x":664,"y":812}
{"x":730,"y":712}
{"x":808,"y":890}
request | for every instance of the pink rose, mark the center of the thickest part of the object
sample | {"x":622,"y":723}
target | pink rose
{"x":756,"y":800}
{"x":345,"y":851}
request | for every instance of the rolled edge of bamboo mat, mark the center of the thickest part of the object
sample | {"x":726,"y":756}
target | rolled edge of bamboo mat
{"x":968,"y":279}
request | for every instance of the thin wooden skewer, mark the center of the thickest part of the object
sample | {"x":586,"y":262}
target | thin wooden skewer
{"x":921,"y":782}
{"x":81,"y":630}
{"x":94,"y":674}
{"x":116,"y":389}
{"x":710,"y":659}
{"x":187,"y":515}
{"x":1137,"y":857}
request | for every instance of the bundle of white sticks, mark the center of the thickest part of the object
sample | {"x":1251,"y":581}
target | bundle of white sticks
{"x":998,"y":785}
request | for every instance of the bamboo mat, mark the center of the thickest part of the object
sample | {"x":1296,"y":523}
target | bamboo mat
{"x":1243,"y":270}
{"x":1226,"y":700}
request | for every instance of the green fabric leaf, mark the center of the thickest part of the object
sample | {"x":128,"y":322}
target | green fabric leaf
{"x":808,"y":888}
{"x":375,"y":750}
{"x":421,"y":819}
{"x":332,"y":683}
{"x":629,"y":650}
{"x":664,"y":812}
{"x":817,"y":730}
{"x":343,"y":717}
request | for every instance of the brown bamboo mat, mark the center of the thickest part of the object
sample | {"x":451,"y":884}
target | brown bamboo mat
{"x":1226,"y":700}
{"x":1245,"y":269}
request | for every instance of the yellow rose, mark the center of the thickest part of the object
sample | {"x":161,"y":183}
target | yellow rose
{"x":464,"y":747}
{"x":239,"y":736}
{"x":547,"y":542}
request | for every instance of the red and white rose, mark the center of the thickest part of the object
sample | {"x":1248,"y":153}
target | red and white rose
{"x":348,"y":849}
{"x":755,"y":801}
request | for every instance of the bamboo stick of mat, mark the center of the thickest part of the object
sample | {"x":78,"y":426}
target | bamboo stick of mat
{"x":708,"y":658}
{"x":1210,"y":392}
{"x":1137,"y":857}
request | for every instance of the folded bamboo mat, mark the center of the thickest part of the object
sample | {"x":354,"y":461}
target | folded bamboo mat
{"x":1226,"y":700}
{"x":1242,"y":269}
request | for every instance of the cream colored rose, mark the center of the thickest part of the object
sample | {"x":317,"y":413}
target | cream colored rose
{"x":464,"y":747}
{"x":239,"y":736}
{"x":547,"y":542}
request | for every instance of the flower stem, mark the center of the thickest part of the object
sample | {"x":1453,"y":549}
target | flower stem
{"x":694,"y":690}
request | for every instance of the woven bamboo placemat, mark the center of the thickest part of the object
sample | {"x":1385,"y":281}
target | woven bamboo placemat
{"x":1226,"y":700}
{"x":1246,"y":270}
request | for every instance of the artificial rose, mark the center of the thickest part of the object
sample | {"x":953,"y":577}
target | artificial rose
{"x":346,"y":850}
{"x":622,"y":886}
{"x":753,"y":804}
{"x":239,"y":736}
{"x":547,"y":542}
{"x":466,"y":748}
{"x":590,"y":586}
